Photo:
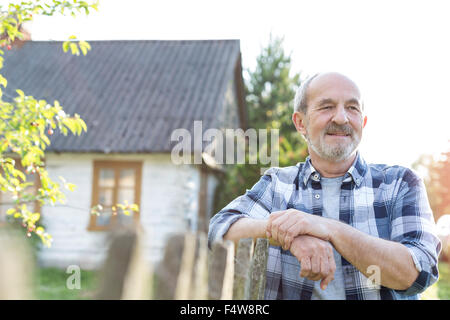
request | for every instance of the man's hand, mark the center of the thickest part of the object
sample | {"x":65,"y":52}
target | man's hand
{"x":316,"y":259}
{"x":285,"y":225}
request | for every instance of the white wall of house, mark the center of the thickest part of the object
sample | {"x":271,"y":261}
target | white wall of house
{"x":169,"y":203}
{"x":211,"y":188}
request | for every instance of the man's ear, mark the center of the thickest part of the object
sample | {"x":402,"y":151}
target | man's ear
{"x":364,"y":121}
{"x":299,"y":121}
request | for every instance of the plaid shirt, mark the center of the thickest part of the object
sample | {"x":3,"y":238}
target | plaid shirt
{"x":388,"y":202}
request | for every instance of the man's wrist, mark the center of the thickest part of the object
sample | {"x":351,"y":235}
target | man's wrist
{"x":334,"y":228}
{"x":262,"y":226}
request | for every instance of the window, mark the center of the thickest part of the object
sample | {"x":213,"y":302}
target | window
{"x":115,"y":182}
{"x":7,"y":201}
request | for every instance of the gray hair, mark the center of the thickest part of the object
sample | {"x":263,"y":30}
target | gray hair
{"x":300,"y":101}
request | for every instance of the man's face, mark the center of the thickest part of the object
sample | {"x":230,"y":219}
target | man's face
{"x":334,"y":121}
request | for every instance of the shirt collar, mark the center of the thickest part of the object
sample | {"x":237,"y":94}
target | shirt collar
{"x":355,"y":172}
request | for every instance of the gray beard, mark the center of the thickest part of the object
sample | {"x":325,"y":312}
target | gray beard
{"x":333,"y":153}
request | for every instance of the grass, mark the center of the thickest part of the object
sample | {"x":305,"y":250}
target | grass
{"x":441,"y":289}
{"x":51,"y":284}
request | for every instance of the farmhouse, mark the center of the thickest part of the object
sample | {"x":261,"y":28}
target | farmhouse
{"x":132,"y":96}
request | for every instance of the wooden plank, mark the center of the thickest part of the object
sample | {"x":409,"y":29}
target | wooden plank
{"x":184,"y":279}
{"x":138,"y":280}
{"x":242,"y":266}
{"x":200,"y":282}
{"x":183,"y":272}
{"x":258,"y":270}
{"x":221,"y":271}
{"x":116,"y":265}
{"x":16,"y":265}
{"x":202,"y":224}
{"x":166,"y":273}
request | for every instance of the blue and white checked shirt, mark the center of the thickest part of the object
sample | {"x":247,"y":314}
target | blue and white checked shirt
{"x":388,"y":202}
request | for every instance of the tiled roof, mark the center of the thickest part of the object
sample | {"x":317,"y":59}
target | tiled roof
{"x":131,"y":94}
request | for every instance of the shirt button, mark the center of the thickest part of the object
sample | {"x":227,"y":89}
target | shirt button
{"x":317,"y":196}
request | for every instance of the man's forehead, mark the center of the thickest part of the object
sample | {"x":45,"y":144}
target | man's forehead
{"x":333,"y":82}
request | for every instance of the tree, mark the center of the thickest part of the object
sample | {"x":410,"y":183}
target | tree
{"x":270,"y":92}
{"x":27,"y":122}
{"x":437,"y":182}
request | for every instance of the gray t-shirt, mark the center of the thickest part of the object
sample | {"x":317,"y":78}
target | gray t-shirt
{"x":331,"y":190}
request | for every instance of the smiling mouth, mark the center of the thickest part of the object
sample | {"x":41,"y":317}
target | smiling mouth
{"x":338,"y":134}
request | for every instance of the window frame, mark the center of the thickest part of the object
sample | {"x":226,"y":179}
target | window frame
{"x":116,"y":165}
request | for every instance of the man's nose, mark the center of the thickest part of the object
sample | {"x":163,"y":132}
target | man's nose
{"x":340,"y":115}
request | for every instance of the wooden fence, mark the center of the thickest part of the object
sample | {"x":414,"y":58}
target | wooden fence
{"x":189,"y":270}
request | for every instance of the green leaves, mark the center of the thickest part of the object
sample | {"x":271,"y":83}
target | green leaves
{"x":26,"y":123}
{"x":66,"y":46}
{"x":68,"y":186}
{"x":125,"y":208}
{"x":25,"y":126}
{"x":73,"y":46}
{"x":3,"y":81}
{"x":84,"y":46}
{"x":75,"y":124}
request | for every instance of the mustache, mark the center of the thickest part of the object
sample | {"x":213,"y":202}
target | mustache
{"x":334,"y":128}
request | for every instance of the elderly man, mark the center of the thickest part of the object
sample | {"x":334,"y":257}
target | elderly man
{"x":339,"y":228}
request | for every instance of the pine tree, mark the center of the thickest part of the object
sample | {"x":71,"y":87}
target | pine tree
{"x":270,"y":92}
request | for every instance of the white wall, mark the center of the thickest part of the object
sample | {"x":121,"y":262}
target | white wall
{"x":211,"y":188}
{"x":169,"y":203}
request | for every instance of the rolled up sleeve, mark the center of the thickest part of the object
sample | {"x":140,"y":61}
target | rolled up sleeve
{"x":413,"y":226}
{"x":255,"y":203}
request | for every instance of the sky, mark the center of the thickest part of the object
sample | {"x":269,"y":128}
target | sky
{"x":398,"y":52}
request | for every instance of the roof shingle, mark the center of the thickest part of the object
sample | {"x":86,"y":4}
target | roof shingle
{"x":131,"y":94}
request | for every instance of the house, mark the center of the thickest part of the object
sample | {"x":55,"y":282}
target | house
{"x":132,"y":96}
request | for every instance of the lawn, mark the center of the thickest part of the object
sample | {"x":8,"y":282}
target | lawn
{"x":51,"y":285}
{"x":441,"y":289}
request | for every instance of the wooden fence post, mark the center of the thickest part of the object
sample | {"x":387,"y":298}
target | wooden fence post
{"x":183,"y":274}
{"x":200,"y":291}
{"x":138,"y":279}
{"x":221,"y":271}
{"x":258,"y":270}
{"x":242,"y":265}
{"x":116,"y":265}
{"x":186,"y":269}
{"x":166,"y":272}
{"x":16,"y":266}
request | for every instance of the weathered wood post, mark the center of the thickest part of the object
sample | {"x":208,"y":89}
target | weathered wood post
{"x":183,"y":274}
{"x":116,"y":265}
{"x":242,"y":266}
{"x":138,"y":279}
{"x":186,"y":268}
{"x":166,"y":272}
{"x":258,"y":270}
{"x":221,"y":271}
{"x":200,"y":284}
{"x":16,"y":266}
